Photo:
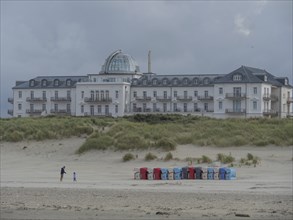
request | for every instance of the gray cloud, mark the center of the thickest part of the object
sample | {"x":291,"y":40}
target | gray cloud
{"x":74,"y":38}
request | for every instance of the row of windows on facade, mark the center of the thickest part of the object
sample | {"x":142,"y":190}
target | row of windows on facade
{"x":236,"y":105}
{"x":99,"y":109}
{"x":56,"y":82}
{"x":175,"y":81}
{"x":236,"y":91}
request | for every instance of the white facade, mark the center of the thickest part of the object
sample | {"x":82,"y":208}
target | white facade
{"x":120,"y":89}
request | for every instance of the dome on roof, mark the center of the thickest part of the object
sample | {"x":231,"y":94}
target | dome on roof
{"x":119,"y":62}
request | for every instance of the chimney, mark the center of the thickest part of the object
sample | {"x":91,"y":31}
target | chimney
{"x":149,"y":62}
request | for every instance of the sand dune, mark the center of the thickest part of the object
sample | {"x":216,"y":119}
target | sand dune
{"x":105,"y":188}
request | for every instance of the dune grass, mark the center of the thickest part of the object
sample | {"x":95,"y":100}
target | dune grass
{"x":151,"y":131}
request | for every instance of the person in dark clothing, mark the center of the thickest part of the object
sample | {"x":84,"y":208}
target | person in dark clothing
{"x":62,"y":173}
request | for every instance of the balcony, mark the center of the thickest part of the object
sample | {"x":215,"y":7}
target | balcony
{"x":10,"y":112}
{"x":36,"y":99}
{"x":98,"y":100}
{"x":143,"y":98}
{"x":289,"y":100}
{"x":270,"y":112}
{"x":266,"y":97}
{"x":206,"y":98}
{"x":236,"y":95}
{"x":60,"y":111}
{"x":34,"y":111}
{"x":98,"y":114}
{"x":10,"y":100}
{"x":164,"y":98}
{"x":184,"y":98}
{"x":235,"y":111}
{"x":60,"y":99}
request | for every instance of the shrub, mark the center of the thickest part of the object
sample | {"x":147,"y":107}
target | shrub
{"x":149,"y":157}
{"x":128,"y":157}
{"x":127,"y":142}
{"x":225,"y":158}
{"x":100,"y":143}
{"x":249,"y":156}
{"x":169,"y":156}
{"x":166,"y":144}
{"x":206,"y":159}
{"x":14,"y":136}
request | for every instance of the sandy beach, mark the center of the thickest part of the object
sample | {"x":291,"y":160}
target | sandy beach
{"x":105,"y":188}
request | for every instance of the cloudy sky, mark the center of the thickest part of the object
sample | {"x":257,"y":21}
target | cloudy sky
{"x":41,"y":38}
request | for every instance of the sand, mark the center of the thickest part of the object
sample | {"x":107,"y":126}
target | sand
{"x":105,"y":188}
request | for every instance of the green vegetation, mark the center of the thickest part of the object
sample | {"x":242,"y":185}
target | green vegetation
{"x":128,"y":157}
{"x":169,"y":156}
{"x":225,"y":158}
{"x":150,"y":156}
{"x":250,"y":159}
{"x":206,"y":159}
{"x":144,"y":132}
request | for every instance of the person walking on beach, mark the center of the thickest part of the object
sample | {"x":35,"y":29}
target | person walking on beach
{"x":74,"y":176}
{"x":62,"y":173}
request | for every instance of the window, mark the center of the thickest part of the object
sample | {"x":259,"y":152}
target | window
{"x":102,"y":95}
{"x":56,"y":94}
{"x":195,"y":81}
{"x":43,"y":107}
{"x":175,"y":81}
{"x":56,"y":82}
{"x":134,"y":107}
{"x":107,"y":109}
{"x":195,"y":93}
{"x":144,"y":94}
{"x":206,"y":106}
{"x":134,"y":82}
{"x":175,"y":107}
{"x":185,"y":107}
{"x":99,"y":109}
{"x":286,"y":82}
{"x":44,"y":95}
{"x":31,"y":108}
{"x":107,"y":94}
{"x":195,"y":107}
{"x":44,"y":82}
{"x":254,"y":105}
{"x":68,"y":94}
{"x":220,"y":105}
{"x":237,"y":91}
{"x":206,"y":81}
{"x":92,"y":110}
{"x":32,"y":83}
{"x":165,"y":81}
{"x":82,"y":94}
{"x":144,"y":82}
{"x":116,"y":94}
{"x":155,"y":82}
{"x":185,"y":94}
{"x":97,"y":95}
{"x":68,"y":82}
{"x":144,"y":107}
{"x":68,"y":108}
{"x":236,"y":105}
{"x":32,"y":94}
{"x":206,"y":93}
{"x":255,"y":90}
{"x":19,"y":106}
{"x":20,"y":94}
{"x":155,"y":93}
{"x":164,"y":107}
{"x":185,"y":81}
{"x":265,"y":78}
{"x":56,"y":107}
{"x":82,"y":109}
{"x":134,"y":94}
{"x":154,"y":107}
{"x":175,"y":94}
{"x":237,"y":77}
{"x":116,"y":109}
{"x":221,"y":91}
{"x":165,"y":94}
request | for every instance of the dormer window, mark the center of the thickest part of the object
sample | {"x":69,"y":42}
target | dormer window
{"x":206,"y":81}
{"x":144,"y":82}
{"x":195,"y":81}
{"x":155,"y":82}
{"x":286,"y":82}
{"x":165,"y":82}
{"x":32,"y":82}
{"x":175,"y":81}
{"x":237,"y":77}
{"x":185,"y":81}
{"x":134,"y":82}
{"x":44,"y":82}
{"x":68,"y":82}
{"x":265,"y":78}
{"x":56,"y":82}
